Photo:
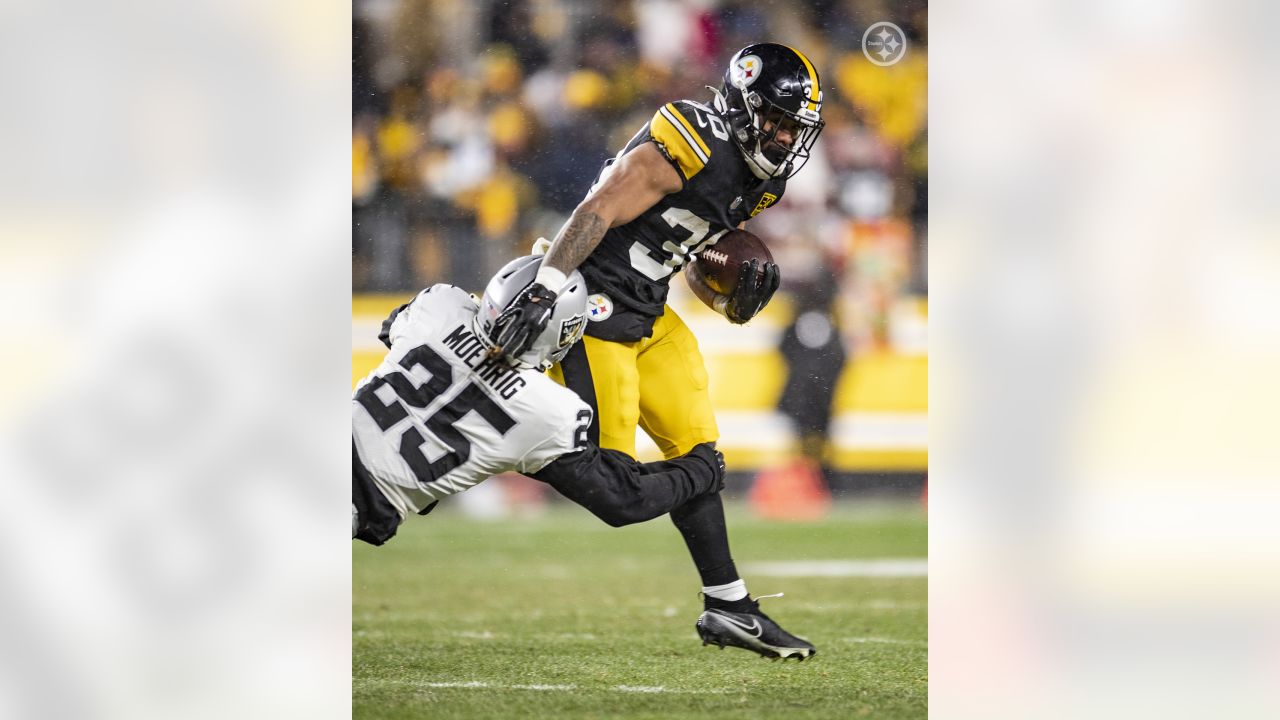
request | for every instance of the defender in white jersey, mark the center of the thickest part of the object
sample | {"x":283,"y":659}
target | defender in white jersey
{"x":439,"y":415}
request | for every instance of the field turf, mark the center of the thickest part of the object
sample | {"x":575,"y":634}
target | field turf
{"x":562,"y":616}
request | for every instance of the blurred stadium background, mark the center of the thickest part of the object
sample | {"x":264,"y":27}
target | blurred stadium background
{"x":478,"y":126}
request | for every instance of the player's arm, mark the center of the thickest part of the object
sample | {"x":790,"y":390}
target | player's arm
{"x":393,"y":326}
{"x":635,"y":183}
{"x":698,"y":284}
{"x":620,"y":491}
{"x":750,"y":295}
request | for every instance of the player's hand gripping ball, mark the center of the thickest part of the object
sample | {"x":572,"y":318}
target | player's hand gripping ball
{"x":740,"y":267}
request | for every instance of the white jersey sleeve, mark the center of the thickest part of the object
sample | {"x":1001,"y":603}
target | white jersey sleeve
{"x":416,"y":320}
{"x":566,"y":419}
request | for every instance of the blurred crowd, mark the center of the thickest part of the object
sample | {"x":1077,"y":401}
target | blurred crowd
{"x":478,"y":126}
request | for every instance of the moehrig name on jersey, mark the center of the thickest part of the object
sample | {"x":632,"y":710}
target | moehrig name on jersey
{"x":494,"y":372}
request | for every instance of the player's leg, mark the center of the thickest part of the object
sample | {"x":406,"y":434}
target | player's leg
{"x":675,"y":410}
{"x":675,"y":394}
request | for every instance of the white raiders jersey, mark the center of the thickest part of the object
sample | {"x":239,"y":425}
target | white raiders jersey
{"x":436,"y":417}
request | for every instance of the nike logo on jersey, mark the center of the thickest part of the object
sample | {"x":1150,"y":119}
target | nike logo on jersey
{"x":754,"y":626}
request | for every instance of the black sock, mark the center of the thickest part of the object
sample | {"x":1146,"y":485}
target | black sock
{"x":701,"y":522}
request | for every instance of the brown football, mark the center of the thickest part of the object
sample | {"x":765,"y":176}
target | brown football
{"x":719,"y":263}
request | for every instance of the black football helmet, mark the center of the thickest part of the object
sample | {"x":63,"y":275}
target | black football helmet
{"x":771,"y":89}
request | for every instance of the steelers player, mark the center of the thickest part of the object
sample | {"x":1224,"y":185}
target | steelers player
{"x":689,"y":176}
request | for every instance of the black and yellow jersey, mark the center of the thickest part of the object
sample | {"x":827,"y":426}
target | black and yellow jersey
{"x":629,"y":272}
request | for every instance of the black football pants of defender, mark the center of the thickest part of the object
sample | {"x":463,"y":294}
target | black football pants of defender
{"x":659,"y":383}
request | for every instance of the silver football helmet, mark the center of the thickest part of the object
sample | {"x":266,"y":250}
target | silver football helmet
{"x":568,"y":317}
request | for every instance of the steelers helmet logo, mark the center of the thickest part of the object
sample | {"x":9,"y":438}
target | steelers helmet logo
{"x":746,"y":70}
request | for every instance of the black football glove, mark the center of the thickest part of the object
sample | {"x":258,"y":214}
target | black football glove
{"x":524,"y":319}
{"x":723,"y":471}
{"x":753,"y":292}
{"x":718,"y":468}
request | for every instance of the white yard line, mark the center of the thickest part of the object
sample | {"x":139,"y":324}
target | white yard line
{"x":885,"y":641}
{"x":895,"y":605}
{"x":490,"y":635}
{"x":480,"y":685}
{"x":848,"y":607}
{"x":640,"y":689}
{"x":486,"y":686}
{"x":896,"y":568}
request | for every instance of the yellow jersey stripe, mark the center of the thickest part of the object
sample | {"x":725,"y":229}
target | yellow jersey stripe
{"x":813,"y":75}
{"x":690,"y":137}
{"x":673,"y":137}
{"x":671,"y":108}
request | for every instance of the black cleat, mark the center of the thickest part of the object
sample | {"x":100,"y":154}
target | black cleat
{"x":746,"y":627}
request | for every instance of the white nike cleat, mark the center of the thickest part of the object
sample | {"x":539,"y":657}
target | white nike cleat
{"x":750,"y":630}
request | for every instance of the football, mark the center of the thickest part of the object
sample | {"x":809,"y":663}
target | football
{"x":719,"y":263}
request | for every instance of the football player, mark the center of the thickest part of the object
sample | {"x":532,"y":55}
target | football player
{"x":439,"y":416}
{"x":690,"y":175}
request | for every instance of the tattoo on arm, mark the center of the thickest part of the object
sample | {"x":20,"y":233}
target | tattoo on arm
{"x":576,"y":240}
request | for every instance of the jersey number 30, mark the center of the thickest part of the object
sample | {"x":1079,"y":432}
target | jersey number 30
{"x":642,"y":258}
{"x":441,"y":423}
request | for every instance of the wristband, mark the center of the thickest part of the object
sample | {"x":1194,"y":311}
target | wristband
{"x":550,"y":278}
{"x":721,"y":305}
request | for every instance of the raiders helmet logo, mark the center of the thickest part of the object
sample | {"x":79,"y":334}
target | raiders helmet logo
{"x":571,"y":330}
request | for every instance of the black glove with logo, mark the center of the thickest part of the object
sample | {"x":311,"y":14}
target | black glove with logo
{"x":755,"y":288}
{"x":524,"y":319}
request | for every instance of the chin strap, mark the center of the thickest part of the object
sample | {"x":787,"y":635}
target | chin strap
{"x":719,"y":103}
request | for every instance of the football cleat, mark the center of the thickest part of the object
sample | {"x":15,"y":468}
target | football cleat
{"x":750,"y":630}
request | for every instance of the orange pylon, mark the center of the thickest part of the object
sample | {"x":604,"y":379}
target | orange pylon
{"x":795,"y":491}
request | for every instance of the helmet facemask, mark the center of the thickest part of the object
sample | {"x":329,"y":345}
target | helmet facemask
{"x":763,"y":148}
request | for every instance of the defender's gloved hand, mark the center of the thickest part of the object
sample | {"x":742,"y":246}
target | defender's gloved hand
{"x":723,"y":470}
{"x":524,"y":319}
{"x":709,"y":453}
{"x":753,"y":292}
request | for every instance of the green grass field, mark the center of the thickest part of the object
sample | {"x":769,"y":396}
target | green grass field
{"x":563,"y":616}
